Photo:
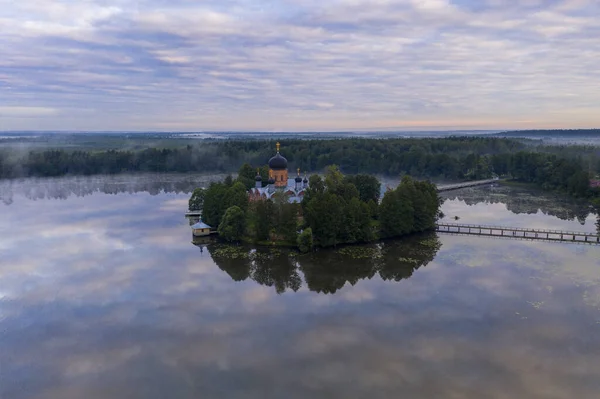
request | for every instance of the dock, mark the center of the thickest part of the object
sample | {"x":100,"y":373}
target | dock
{"x":519,"y":232}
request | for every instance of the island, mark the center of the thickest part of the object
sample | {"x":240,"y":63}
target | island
{"x":315,"y":211}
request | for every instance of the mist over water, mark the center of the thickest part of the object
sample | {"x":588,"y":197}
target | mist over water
{"x":103,"y":293}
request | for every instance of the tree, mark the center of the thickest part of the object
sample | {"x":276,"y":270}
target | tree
{"x":357,"y":222}
{"x":197,"y":199}
{"x":373,"y":209}
{"x":263,"y":219}
{"x":287,"y":225}
{"x":305,"y":240}
{"x":237,"y":196}
{"x":316,"y":185}
{"x":324,"y":216}
{"x":214,"y":203}
{"x":369,"y":187}
{"x":246,"y":176}
{"x":396,"y":213}
{"x":579,"y":184}
{"x":333,"y":178}
{"x":233,"y":226}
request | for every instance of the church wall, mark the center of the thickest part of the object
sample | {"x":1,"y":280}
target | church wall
{"x":281,"y":178}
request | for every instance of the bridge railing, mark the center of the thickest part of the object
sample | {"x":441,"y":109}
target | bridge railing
{"x":522,"y":229}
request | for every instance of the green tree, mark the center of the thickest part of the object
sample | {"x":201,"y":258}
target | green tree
{"x":357,"y":222}
{"x":237,"y":196}
{"x":324,"y":216}
{"x":369,"y":187}
{"x":316,"y":185}
{"x":197,"y":199}
{"x":286,"y":219}
{"x":579,"y":184}
{"x":263,"y":219}
{"x":246,"y":176}
{"x":333,"y":178}
{"x":305,"y":240}
{"x":396,"y":213}
{"x":214,"y":203}
{"x":233,"y":226}
{"x":373,"y":209}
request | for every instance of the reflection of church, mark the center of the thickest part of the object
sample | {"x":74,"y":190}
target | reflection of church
{"x":279,"y":182}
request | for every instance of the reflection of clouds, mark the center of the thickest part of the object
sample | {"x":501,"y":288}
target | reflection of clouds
{"x":519,"y":207}
{"x":98,"y":361}
{"x":358,"y":294}
{"x":175,"y":205}
{"x":83,"y":318}
{"x":257,"y":295}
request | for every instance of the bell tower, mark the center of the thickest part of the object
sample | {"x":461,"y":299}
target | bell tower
{"x":278,"y":169}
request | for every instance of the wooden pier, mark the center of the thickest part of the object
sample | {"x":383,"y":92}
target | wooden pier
{"x":518,"y":232}
{"x":449,"y":187}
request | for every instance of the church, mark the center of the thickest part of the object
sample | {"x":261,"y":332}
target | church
{"x":279,"y":182}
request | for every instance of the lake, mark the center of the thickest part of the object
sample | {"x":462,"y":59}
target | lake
{"x":103,"y":294}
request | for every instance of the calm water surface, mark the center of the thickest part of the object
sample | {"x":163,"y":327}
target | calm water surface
{"x":104,"y":295}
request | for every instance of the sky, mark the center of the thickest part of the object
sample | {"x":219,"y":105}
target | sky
{"x":299,"y":65}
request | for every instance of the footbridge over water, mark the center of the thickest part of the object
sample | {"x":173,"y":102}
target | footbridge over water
{"x":449,"y":187}
{"x":519,"y":232}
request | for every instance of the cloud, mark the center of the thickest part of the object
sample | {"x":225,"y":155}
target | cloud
{"x":28,"y":112}
{"x":296,"y":65}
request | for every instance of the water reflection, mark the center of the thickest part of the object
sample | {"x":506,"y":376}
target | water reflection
{"x":81,"y":186}
{"x":99,"y":300}
{"x":526,"y":201}
{"x":325,"y":271}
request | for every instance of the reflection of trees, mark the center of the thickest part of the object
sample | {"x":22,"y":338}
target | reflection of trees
{"x":522,"y":202}
{"x":276,"y":270}
{"x":272,"y":268}
{"x":64,"y":187}
{"x":402,"y":258}
{"x":327,"y":271}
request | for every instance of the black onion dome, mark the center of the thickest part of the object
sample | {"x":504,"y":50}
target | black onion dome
{"x":298,"y":179}
{"x":258,"y":178}
{"x":278,"y":162}
{"x":305,"y":180}
{"x":271,"y":181}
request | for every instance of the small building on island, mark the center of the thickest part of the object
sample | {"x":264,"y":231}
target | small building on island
{"x":279,"y":182}
{"x":201,"y":229}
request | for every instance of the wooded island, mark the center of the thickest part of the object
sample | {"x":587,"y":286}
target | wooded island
{"x":318,"y":211}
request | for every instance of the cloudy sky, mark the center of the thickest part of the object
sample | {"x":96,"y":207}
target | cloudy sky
{"x":299,"y":64}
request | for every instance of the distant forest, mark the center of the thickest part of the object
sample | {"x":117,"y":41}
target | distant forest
{"x":566,"y":133}
{"x":456,"y":158}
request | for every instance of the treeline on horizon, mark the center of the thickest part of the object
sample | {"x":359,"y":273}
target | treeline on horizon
{"x":551,"y":132}
{"x":453,"y":158}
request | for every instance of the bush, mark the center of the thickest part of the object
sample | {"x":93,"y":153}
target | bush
{"x":305,"y":241}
